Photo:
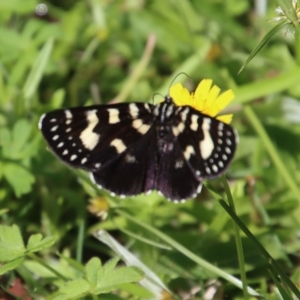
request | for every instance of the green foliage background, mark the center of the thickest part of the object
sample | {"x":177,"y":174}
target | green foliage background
{"x":87,"y":52}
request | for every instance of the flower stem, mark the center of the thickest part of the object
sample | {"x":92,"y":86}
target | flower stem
{"x":297,"y":47}
{"x":238,"y":240}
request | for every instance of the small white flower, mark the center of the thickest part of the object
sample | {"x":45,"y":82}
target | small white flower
{"x":282,"y":16}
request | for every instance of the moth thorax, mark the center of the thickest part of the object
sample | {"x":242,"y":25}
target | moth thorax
{"x":163,"y":130}
{"x":164,"y":112}
{"x":165,"y":146}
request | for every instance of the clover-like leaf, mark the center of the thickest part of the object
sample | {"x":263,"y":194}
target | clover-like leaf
{"x":11,"y":243}
{"x":94,"y":271}
{"x":116,"y":277}
{"x":11,"y":265}
{"x":73,"y":290}
{"x":18,"y":177}
{"x":111,"y":264}
{"x":37,"y":243}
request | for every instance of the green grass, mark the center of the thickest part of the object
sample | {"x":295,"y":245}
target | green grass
{"x":239,"y":236}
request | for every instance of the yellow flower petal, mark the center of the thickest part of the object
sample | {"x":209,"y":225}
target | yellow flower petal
{"x":201,"y":93}
{"x":212,"y":98}
{"x":225,"y":118}
{"x":203,"y":88}
{"x":206,"y":99}
{"x":180,"y":94}
{"x":224,"y":99}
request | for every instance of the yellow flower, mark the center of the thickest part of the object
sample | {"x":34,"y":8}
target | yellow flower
{"x":99,"y":207}
{"x":206,"y":99}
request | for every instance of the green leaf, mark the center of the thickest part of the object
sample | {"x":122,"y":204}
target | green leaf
{"x":263,"y":42}
{"x":37,"y":243}
{"x":38,"y":269}
{"x":111,"y":264}
{"x":15,"y":143}
{"x":73,"y":290}
{"x":151,"y":281}
{"x":11,"y":265}
{"x":5,"y":137}
{"x":284,"y":294}
{"x":118,"y":276}
{"x":20,"y":135}
{"x":11,"y":243}
{"x":94,"y":271}
{"x":37,"y":70}
{"x":1,"y":169}
{"x":19,"y":178}
{"x":16,"y":6}
{"x":58,"y":98}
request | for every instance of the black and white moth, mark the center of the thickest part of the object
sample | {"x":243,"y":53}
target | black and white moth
{"x":133,"y":148}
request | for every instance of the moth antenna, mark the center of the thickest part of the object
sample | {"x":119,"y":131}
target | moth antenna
{"x":179,"y":74}
{"x":155,"y":94}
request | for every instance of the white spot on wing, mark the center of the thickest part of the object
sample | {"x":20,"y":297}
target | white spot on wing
{"x":60,"y":144}
{"x":133,"y":110}
{"x":113,"y":116}
{"x":189,"y":150}
{"x":97,"y":165}
{"x":199,"y":188}
{"x":220,"y":126}
{"x":169,"y":111}
{"x":184,"y":114}
{"x":55,"y":137}
{"x":139,"y":126}
{"x":146,"y":105}
{"x":177,"y":130}
{"x":54,"y":128}
{"x":215,"y":168}
{"x":228,"y":142}
{"x":89,"y":138}
{"x":118,"y":144}
{"x":130,"y":158}
{"x":65,"y":152}
{"x":194,"y":122}
{"x":178,"y":164}
{"x":73,"y":157}
{"x":84,"y":160}
{"x":227,"y":150}
{"x":68,"y":114}
{"x":41,"y":121}
{"x":92,"y":178}
{"x":206,"y":145}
